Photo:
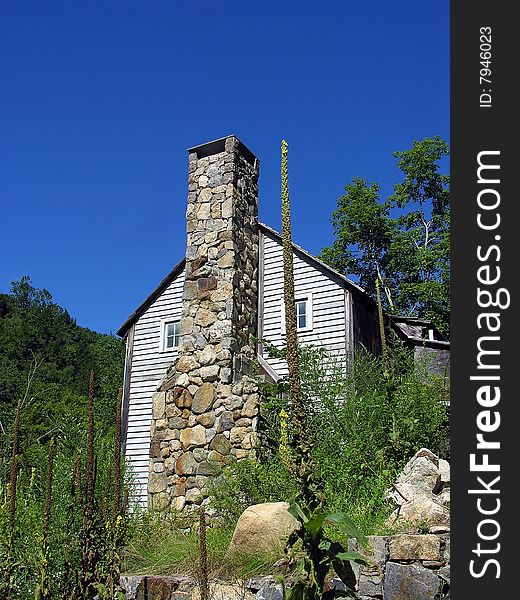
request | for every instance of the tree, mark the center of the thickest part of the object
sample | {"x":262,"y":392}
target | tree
{"x":34,"y":328}
{"x":404,"y":241}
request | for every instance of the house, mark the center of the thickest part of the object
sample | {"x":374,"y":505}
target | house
{"x":190,"y":403}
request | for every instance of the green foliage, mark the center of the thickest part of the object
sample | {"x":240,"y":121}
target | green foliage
{"x":168,"y":545}
{"x":362,"y":436}
{"x":404,"y":239}
{"x":319,"y":555}
{"x":35,"y":330}
{"x":51,"y":561}
{"x":248,"y":482}
{"x":61,"y":531}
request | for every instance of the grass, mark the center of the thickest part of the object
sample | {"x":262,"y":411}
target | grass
{"x":162,"y":546}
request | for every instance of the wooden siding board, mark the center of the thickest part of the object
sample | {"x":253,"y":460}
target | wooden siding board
{"x":148,"y":367}
{"x":328,"y":303}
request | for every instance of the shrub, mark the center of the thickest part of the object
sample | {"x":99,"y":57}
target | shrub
{"x":365,"y":421}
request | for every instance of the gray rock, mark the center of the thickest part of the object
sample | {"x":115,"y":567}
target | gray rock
{"x":409,"y":582}
{"x":370,"y":584}
{"x":270,"y":593}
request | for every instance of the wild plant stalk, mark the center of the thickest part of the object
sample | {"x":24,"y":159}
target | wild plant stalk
{"x":319,"y":554}
{"x":203,"y":557}
{"x":300,"y":441}
{"x":70,"y":570}
{"x":115,"y":521}
{"x":43,"y":591}
{"x":381,"y":318}
{"x":117,"y":460}
{"x":8,"y":563}
{"x":89,"y":537}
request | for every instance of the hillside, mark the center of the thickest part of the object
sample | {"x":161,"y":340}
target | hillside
{"x":40,"y":337}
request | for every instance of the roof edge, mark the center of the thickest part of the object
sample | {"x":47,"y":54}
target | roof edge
{"x":177,"y":269}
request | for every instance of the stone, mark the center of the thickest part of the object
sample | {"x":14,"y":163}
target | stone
{"x":219,"y":330}
{"x":225,"y":421}
{"x":206,"y":284}
{"x":250,"y":408}
{"x":223,"y":292}
{"x":185,"y":364}
{"x":421,"y":510}
{"x":157,"y":482}
{"x":209,"y":373}
{"x":179,"y":503}
{"x":186,"y":464}
{"x":156,"y":588}
{"x":415,"y":547}
{"x":177,"y":423}
{"x":160,"y":501}
{"x":194,"y":496}
{"x":203,"y":398}
{"x":206,"y":419}
{"x":418,"y":491}
{"x":193,"y":436}
{"x":158,"y":405}
{"x":130,"y":585}
{"x":208,"y":356}
{"x":263,"y":529}
{"x":420,"y":477}
{"x":205,"y":317}
{"x":237,"y":435}
{"x":378,"y":554}
{"x":208,"y":468}
{"x":161,"y":424}
{"x":271,"y":592}
{"x":226,"y":375}
{"x":409,"y":582}
{"x":155,"y":449}
{"x":220,"y":444}
{"x":186,"y":326}
{"x":182,"y":397}
{"x":444,"y":471}
{"x":172,"y":411}
{"x":370,"y":584}
{"x":227,"y":260}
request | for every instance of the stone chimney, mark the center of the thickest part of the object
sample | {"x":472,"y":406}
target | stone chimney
{"x":204,"y":415}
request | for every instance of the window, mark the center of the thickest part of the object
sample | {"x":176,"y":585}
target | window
{"x":303,"y":306}
{"x":301,"y":314}
{"x":170,"y":335}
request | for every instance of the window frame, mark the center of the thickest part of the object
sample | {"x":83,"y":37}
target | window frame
{"x":307,"y":298}
{"x":164,"y":323}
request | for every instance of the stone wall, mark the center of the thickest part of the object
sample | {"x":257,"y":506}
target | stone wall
{"x":406,"y":567}
{"x":205,"y":411}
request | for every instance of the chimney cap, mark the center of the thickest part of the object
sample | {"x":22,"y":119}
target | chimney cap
{"x":217,"y":146}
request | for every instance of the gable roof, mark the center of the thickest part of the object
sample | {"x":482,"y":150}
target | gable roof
{"x":177,"y":270}
{"x":319,"y":264}
{"x":179,"y":267}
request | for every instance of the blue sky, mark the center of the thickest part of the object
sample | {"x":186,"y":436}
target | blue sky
{"x":100,"y":100}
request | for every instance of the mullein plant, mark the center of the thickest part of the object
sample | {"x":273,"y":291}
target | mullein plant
{"x":115,"y":522}
{"x":42,"y":590}
{"x":8,"y":561}
{"x":318,"y":555}
{"x":70,"y":579}
{"x":203,"y":557}
{"x":91,"y":535}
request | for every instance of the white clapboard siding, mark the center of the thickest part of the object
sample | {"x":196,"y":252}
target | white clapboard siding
{"x":328,"y":302}
{"x":149,"y":365}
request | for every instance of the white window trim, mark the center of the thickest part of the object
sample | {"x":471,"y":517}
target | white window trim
{"x":165,"y":322}
{"x":307,"y":297}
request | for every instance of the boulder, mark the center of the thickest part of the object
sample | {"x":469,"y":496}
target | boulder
{"x":263,"y":529}
{"x":421,"y":492}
